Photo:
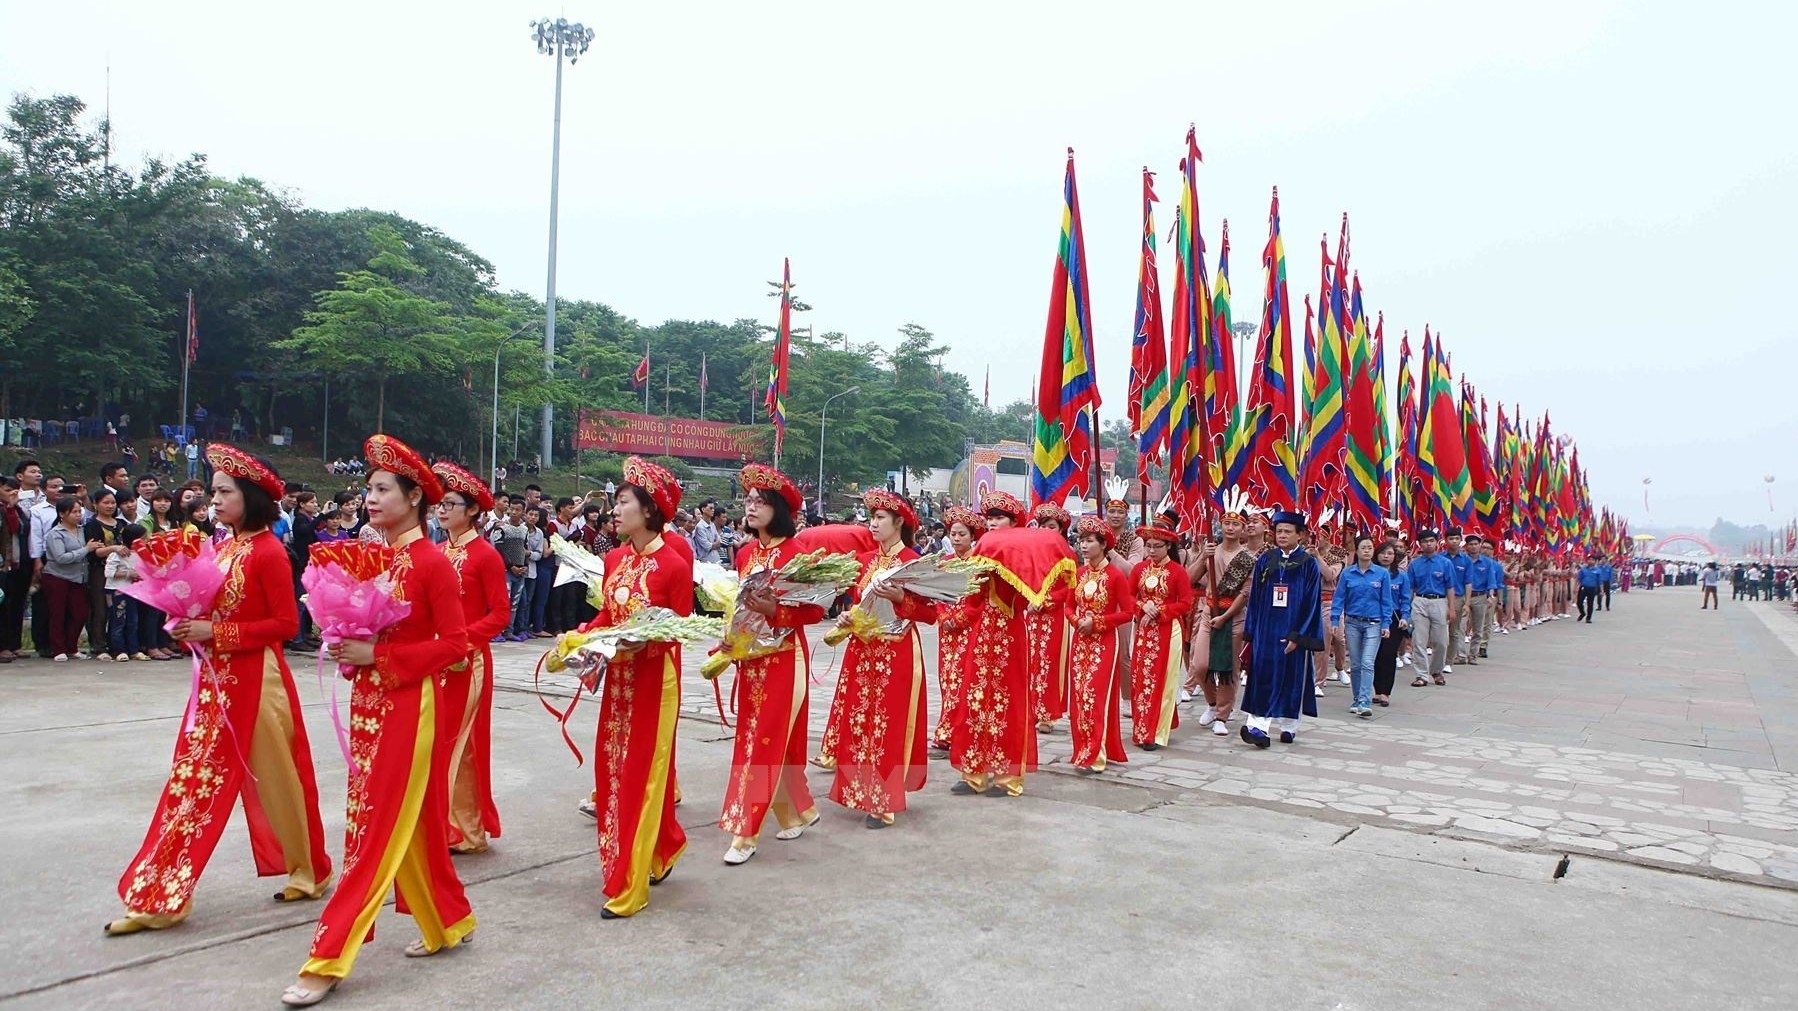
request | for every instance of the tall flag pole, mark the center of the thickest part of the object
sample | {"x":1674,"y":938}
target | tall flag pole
{"x":1321,"y":481}
{"x":776,"y":399}
{"x":986,"y":393}
{"x":703,"y":383}
{"x":1148,"y":353}
{"x":1188,"y":470}
{"x":1263,"y":467}
{"x":1222,"y":413}
{"x":1362,"y":450}
{"x":1406,"y":475}
{"x":190,"y":350}
{"x":1067,"y":393}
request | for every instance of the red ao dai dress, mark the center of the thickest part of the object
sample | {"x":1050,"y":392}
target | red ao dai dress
{"x":992,"y":738}
{"x":465,"y":720}
{"x":633,"y":765}
{"x":1155,"y":661}
{"x":397,"y":837}
{"x":1102,"y":594}
{"x":248,"y":713}
{"x":880,"y":753}
{"x":768,"y":759}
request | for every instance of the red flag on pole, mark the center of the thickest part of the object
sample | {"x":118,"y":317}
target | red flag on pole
{"x":641,"y":376}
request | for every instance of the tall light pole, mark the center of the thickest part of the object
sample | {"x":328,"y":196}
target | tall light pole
{"x":493,"y":468}
{"x":557,"y":38}
{"x":822,"y":411}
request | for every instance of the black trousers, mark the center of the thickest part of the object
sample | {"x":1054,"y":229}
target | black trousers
{"x":17,"y":583}
{"x":1385,"y":662}
{"x":565,"y":606}
{"x":1607,"y":596}
{"x":1588,"y":602}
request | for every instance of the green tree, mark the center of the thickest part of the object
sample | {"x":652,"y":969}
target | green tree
{"x":371,"y":327}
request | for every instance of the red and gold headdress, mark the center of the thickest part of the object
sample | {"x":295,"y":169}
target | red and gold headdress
{"x":1051,"y":511}
{"x":1097,"y":527}
{"x":1159,"y":532}
{"x":663,"y":486}
{"x":245,"y":467}
{"x":463,"y":483}
{"x":1004,"y":502}
{"x":384,"y":452}
{"x":761,"y":477}
{"x":880,"y":498}
{"x":975,"y":522}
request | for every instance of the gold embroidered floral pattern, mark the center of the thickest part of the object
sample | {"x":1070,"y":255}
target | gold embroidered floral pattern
{"x":1152,"y":584}
{"x":1088,"y":681}
{"x":986,"y":699}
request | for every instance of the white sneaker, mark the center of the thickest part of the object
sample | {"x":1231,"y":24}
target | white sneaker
{"x":104,"y":658}
{"x":1446,"y":669}
{"x":78,"y":655}
{"x":1343,"y":676}
{"x":60,"y":658}
{"x":1185,"y":696}
{"x":735,"y":856}
{"x":1319,"y":689}
{"x":1220,"y":728}
{"x":1208,"y":717}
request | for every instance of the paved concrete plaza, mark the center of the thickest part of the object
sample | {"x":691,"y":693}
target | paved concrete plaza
{"x":1405,"y":861}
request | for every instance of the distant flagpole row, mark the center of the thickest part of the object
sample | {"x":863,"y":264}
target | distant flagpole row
{"x":1323,"y":441}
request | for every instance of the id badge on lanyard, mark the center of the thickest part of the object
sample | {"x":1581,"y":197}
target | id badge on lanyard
{"x":1279,"y":594}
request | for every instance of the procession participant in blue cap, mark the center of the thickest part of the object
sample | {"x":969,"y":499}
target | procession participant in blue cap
{"x":1284,"y":624}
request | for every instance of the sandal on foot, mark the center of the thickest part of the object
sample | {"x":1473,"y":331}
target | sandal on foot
{"x":417,"y":948}
{"x":298,"y":995}
{"x":1420,"y":682}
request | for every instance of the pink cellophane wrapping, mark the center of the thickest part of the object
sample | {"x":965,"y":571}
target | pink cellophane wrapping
{"x":183,"y":586}
{"x":344,"y":607}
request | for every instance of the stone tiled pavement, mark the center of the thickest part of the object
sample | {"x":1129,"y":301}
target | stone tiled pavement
{"x":1659,"y":734}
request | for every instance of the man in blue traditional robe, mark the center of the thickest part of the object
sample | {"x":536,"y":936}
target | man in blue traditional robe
{"x":1284,"y":624}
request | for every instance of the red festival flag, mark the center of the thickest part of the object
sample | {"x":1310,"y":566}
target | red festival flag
{"x":641,"y":376}
{"x":1262,"y":466}
{"x":776,"y":398}
{"x":1067,"y":389}
{"x":1148,"y":349}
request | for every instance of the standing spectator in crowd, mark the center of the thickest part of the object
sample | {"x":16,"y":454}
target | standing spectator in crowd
{"x":65,"y":580}
{"x":145,"y":486}
{"x":114,"y":476}
{"x":107,"y":530}
{"x":16,"y":569}
{"x":542,"y":574}
{"x":512,"y":539}
{"x":161,"y":516}
{"x":564,"y":599}
{"x":1709,"y":579}
{"x":705,"y":532}
{"x":193,"y":460}
{"x":125,"y":637}
{"x":299,"y":552}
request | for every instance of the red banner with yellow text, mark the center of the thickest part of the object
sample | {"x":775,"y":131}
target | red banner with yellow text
{"x":652,"y":435}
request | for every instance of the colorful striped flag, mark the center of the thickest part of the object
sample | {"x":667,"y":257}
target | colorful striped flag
{"x":1222,"y":414}
{"x":1188,"y":469}
{"x":1383,"y":429}
{"x":1067,"y":393}
{"x":1262,"y":467}
{"x":1483,"y":498}
{"x":1361,"y":456}
{"x":1148,"y":349}
{"x":776,"y":399}
{"x":1321,"y":481}
{"x":1405,"y":466}
{"x":1441,"y":451}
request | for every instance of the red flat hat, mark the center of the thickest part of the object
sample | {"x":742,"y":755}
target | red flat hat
{"x":462,"y":482}
{"x":975,"y":522}
{"x":663,"y":486}
{"x":1157,"y":532}
{"x":1004,"y":502}
{"x":1097,"y":527}
{"x":1051,"y":511}
{"x":384,"y":452}
{"x":245,"y":467}
{"x":880,"y":498}
{"x":761,"y":477}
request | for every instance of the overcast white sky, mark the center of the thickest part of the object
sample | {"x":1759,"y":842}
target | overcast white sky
{"x":1594,"y":202}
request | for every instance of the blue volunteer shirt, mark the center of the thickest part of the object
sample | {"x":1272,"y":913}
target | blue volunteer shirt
{"x":1498,"y":573}
{"x":1363,"y":595}
{"x":1461,"y":561}
{"x":1590,"y":577}
{"x":1607,"y":574}
{"x":1432,"y":576}
{"x":1482,"y":577}
{"x":1401,"y":596}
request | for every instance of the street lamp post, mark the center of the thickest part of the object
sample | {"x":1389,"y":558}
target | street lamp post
{"x":822,"y":411}
{"x":493,"y":468}
{"x":557,"y":38}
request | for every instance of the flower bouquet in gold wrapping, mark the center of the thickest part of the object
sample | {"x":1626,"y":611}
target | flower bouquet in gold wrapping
{"x":587,"y":653}
{"x":816,"y":577}
{"x":941,"y":578}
